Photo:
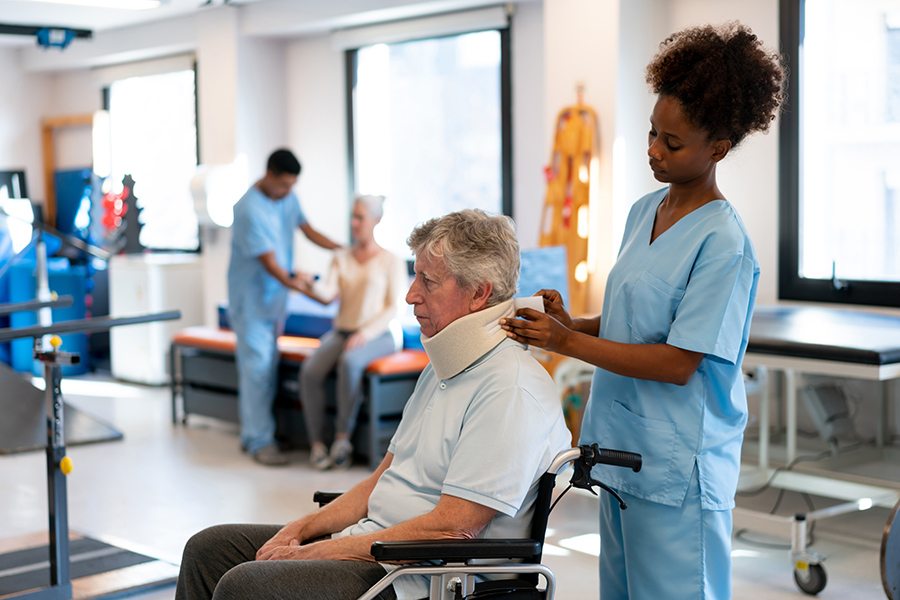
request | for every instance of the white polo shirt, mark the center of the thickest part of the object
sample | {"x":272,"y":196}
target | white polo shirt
{"x":485,"y":435}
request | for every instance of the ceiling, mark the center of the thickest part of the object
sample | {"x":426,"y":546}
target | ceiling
{"x":25,"y":12}
{"x":285,"y":17}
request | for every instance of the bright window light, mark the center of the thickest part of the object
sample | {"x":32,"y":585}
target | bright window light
{"x":427,"y":129}
{"x":850,"y":188}
{"x":153,"y":136}
{"x":18,"y":223}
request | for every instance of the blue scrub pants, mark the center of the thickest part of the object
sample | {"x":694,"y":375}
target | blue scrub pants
{"x":257,"y":361}
{"x":651,"y":550}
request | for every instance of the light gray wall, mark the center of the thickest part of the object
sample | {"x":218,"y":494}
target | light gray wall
{"x":317,"y":131}
{"x":21,"y":108}
{"x":530,"y":131}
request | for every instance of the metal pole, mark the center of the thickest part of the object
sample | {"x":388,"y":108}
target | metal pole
{"x":45,"y":315}
{"x":60,"y":574}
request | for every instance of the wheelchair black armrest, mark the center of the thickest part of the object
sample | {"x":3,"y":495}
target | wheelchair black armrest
{"x":323,"y":497}
{"x":455,"y":550}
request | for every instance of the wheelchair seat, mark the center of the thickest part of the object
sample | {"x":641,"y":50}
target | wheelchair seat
{"x":456,"y":567}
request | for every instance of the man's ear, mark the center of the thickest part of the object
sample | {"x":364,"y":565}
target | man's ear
{"x":720,"y":149}
{"x":481,"y":295}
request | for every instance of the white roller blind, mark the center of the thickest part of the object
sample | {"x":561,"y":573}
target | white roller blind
{"x":494,"y":17}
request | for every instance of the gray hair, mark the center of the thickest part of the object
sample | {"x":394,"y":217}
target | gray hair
{"x":475,"y":247}
{"x":373,"y":204}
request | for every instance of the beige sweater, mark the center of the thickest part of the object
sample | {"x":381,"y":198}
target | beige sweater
{"x":371,"y":294}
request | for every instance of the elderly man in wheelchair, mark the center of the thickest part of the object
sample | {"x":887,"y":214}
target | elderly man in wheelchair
{"x":482,"y":427}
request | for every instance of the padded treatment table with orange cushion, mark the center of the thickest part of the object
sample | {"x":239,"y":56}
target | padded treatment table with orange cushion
{"x":204,"y":377}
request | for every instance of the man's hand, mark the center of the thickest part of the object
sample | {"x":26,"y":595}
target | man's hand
{"x":289,"y":534}
{"x":345,"y":548}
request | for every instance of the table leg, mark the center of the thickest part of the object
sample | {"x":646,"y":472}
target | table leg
{"x":881,"y":407}
{"x":763,"y":417}
{"x":790,"y":381}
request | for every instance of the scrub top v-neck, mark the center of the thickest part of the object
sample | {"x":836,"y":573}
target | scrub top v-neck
{"x":694,"y":288}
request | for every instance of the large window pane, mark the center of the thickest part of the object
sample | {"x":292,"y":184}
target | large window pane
{"x":427,"y":129}
{"x":153,"y":135}
{"x":850,"y":141}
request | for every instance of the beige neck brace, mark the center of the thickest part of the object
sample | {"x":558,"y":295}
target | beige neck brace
{"x":466,"y":339}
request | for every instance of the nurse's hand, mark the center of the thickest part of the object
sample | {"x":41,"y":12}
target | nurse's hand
{"x":537,"y":329}
{"x":303,"y":277}
{"x":553,"y":306}
{"x":302,"y":282}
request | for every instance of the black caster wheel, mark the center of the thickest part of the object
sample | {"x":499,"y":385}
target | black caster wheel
{"x":813,"y":580}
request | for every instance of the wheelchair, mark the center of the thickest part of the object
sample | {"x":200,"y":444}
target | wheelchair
{"x":456,"y":568}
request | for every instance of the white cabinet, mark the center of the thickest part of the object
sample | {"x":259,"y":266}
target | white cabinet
{"x":151,"y":283}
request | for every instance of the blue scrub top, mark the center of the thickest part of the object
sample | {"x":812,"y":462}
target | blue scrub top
{"x":261,"y":225}
{"x":694,"y":288}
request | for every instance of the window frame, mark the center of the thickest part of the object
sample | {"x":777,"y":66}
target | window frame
{"x":506,"y":157}
{"x":790,"y":285}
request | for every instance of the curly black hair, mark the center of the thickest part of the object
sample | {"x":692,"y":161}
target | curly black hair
{"x":726,"y":81}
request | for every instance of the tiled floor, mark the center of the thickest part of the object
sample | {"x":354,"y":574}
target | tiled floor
{"x":163,"y":483}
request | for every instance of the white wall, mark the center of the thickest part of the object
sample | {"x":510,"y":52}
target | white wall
{"x":73,"y":93}
{"x":749,"y":175}
{"x":643,"y":23}
{"x":530,"y":131}
{"x":21,"y":108}
{"x":584,"y":50}
{"x":317,"y":132}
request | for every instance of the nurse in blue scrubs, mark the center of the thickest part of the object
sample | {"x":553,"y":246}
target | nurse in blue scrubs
{"x":669,"y":343}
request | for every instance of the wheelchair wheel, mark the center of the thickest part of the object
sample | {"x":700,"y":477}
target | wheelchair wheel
{"x":813,"y":580}
{"x":890,"y":556}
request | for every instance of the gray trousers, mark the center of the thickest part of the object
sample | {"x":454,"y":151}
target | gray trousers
{"x":350,"y":366}
{"x":219,"y":563}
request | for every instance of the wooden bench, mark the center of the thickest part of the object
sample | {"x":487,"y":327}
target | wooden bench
{"x":204,"y":378}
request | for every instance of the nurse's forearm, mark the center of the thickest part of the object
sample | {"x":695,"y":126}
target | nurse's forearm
{"x":587,"y":326}
{"x":655,"y":362}
{"x":270,"y":264}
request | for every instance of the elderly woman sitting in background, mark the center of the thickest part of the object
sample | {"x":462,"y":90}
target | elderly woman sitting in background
{"x":371,"y":283}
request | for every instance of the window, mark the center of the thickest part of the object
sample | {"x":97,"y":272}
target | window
{"x":430,"y":128}
{"x":153,"y":137}
{"x":840,"y":152}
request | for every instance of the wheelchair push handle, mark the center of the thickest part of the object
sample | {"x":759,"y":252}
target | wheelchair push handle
{"x":616,"y":458}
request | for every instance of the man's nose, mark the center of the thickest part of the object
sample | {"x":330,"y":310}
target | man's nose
{"x":411,"y":295}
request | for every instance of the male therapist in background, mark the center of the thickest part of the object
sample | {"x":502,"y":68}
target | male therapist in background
{"x":259,"y":277}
